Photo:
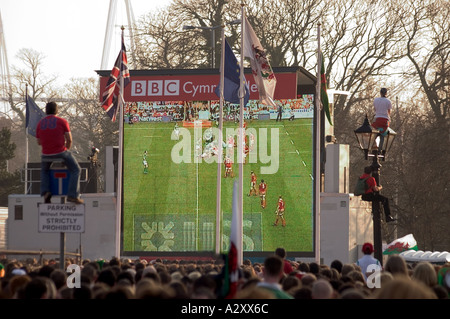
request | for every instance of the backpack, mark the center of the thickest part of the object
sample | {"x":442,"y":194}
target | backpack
{"x":361,"y":186}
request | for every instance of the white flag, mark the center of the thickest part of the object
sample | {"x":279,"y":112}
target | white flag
{"x":261,"y":69}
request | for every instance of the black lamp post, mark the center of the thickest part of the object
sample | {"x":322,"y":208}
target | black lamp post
{"x":369,"y":140}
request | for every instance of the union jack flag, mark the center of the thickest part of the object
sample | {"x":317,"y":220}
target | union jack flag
{"x":111,"y":95}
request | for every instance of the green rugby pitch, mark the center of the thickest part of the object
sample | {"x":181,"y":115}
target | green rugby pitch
{"x":172,"y":208}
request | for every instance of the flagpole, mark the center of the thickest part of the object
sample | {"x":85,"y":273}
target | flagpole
{"x":317,"y":177}
{"x":240,"y":143}
{"x":26,"y":141}
{"x":220,"y":148}
{"x":120,"y":163}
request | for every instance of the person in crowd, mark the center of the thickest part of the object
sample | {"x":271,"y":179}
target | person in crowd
{"x":368,"y":263}
{"x":321,"y":289}
{"x":272,"y":275}
{"x":396,"y":265}
{"x":425,"y":273}
{"x":287,"y":266}
{"x":119,"y":280}
{"x":402,"y":287}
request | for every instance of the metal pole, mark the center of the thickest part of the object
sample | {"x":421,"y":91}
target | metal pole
{"x":220,"y":154}
{"x":62,"y":250}
{"x":62,"y":243}
{"x":376,"y":215}
{"x":26,"y":143}
{"x":317,"y":152}
{"x":241,"y":137}
{"x":213,"y":46}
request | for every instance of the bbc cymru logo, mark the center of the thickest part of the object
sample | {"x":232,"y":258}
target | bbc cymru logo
{"x":170,"y":88}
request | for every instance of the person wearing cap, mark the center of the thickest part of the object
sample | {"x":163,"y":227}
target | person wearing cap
{"x":382,"y":106}
{"x":368,"y":261}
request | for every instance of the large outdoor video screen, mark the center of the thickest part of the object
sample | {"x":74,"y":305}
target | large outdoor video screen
{"x":170,"y":176}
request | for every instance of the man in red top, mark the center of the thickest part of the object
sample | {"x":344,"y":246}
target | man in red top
{"x":262,"y":193}
{"x":53,"y":134}
{"x":253,"y":179}
{"x":280,"y":212}
{"x":228,"y":167}
{"x":372,"y":193}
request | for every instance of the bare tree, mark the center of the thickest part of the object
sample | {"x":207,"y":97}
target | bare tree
{"x":360,"y":43}
{"x":426,"y":26}
{"x":31,"y":75}
{"x":419,"y":190}
{"x":160,"y":43}
{"x":90,"y":125}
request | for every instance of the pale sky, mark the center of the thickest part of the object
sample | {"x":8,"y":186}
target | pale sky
{"x":69,"y":33}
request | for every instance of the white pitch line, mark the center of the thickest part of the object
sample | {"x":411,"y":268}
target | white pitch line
{"x":197,"y":221}
{"x":297,"y":152}
{"x":312,"y":178}
{"x":151,"y":128}
{"x":304,"y":164}
{"x":292,"y":142}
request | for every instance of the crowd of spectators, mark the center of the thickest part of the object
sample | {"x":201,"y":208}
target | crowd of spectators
{"x":122,"y":278}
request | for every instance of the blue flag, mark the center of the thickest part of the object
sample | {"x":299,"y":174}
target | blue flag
{"x":232,"y":79}
{"x":33,"y":116}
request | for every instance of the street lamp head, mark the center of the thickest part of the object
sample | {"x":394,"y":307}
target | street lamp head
{"x":188,"y":27}
{"x":366,"y":135}
{"x":388,"y":140}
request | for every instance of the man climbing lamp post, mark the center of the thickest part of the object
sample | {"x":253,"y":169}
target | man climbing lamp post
{"x":368,"y":140}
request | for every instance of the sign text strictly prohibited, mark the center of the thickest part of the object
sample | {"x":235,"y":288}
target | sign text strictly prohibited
{"x":57,"y":218}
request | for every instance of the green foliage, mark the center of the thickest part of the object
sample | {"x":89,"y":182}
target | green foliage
{"x":7,"y":148}
{"x":9,"y":182}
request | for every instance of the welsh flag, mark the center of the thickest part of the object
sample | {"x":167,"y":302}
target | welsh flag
{"x":262,"y":71}
{"x":400,"y":245}
{"x":323,"y":91}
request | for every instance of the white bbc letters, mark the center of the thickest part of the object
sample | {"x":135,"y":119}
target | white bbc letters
{"x":155,"y":88}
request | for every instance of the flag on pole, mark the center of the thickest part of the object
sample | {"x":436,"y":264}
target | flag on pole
{"x":231,"y":262}
{"x":33,"y":115}
{"x":262,"y":71}
{"x":111,"y":94}
{"x":402,"y":244}
{"x":323,"y":91}
{"x":232,"y":79}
